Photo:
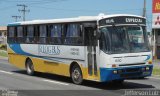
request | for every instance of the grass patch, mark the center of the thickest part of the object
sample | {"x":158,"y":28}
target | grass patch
{"x":3,"y":53}
{"x":156,"y":71}
{"x":3,"y":47}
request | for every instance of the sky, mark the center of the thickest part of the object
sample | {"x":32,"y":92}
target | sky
{"x":52,"y":9}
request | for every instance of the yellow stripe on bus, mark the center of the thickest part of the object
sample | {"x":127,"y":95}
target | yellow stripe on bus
{"x":41,"y":65}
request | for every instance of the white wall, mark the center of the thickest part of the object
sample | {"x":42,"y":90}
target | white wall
{"x":3,"y":38}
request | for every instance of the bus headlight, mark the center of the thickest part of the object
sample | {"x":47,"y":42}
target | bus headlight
{"x":115,"y":72}
{"x":147,"y":68}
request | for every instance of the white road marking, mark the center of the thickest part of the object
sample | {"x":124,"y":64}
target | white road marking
{"x":51,"y":81}
{"x":6,"y":72}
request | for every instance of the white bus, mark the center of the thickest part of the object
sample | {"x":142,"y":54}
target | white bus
{"x":98,"y":48}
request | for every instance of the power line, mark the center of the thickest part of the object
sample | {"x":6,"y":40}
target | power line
{"x":23,"y":10}
{"x":16,"y":17}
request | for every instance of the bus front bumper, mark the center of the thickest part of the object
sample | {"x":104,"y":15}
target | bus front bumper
{"x":110,"y":74}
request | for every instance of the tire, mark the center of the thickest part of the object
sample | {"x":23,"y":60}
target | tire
{"x":76,"y":75}
{"x":29,"y":67}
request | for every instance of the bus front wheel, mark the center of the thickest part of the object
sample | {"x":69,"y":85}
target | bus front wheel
{"x":76,"y":75}
{"x":29,"y":67}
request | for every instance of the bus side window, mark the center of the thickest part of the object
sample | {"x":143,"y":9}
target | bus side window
{"x":11,"y":34}
{"x":30,"y":34}
{"x":42,"y":34}
{"x":55,"y":34}
{"x":73,"y":34}
{"x":20,"y":34}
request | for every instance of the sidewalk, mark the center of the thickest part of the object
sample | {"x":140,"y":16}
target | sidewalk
{"x":156,"y":63}
{"x":156,"y":69}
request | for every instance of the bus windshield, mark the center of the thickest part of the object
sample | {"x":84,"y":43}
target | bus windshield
{"x":125,"y":39}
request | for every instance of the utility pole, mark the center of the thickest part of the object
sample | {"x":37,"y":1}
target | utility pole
{"x":23,"y":10}
{"x":144,"y":9}
{"x":16,"y":17}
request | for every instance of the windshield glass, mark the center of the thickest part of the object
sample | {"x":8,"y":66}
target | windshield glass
{"x":124,"y":39}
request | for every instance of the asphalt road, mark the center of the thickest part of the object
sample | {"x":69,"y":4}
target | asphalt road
{"x":42,"y":84}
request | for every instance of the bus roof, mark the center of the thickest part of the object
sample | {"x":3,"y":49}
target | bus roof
{"x":67,"y":20}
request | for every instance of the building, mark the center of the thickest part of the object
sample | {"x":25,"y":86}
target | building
{"x":3,"y":35}
{"x":156,"y":28}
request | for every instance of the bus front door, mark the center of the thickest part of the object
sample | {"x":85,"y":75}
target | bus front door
{"x":91,"y":61}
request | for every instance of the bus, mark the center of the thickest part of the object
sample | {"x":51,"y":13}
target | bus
{"x":101,"y":48}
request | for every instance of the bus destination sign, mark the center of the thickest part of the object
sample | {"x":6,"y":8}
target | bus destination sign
{"x":122,"y":20}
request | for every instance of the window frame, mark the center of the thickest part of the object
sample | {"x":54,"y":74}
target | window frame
{"x":62,"y":36}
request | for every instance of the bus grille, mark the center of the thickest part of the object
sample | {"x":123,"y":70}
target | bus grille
{"x":132,"y":64}
{"x":131,"y":75}
{"x":133,"y":70}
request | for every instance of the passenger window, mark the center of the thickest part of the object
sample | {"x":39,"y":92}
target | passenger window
{"x":30,"y":34}
{"x":30,"y":31}
{"x":20,"y":31}
{"x":11,"y":35}
{"x":11,"y":31}
{"x":73,"y":30}
{"x":20,"y":34}
{"x":43,"y":33}
{"x":74,"y":34}
{"x":55,"y":33}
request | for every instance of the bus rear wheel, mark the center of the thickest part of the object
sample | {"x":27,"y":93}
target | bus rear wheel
{"x":29,"y":67}
{"x":76,"y":75}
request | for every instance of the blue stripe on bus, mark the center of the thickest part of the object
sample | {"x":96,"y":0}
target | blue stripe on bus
{"x":106,"y":74}
{"x":18,"y":50}
{"x":148,"y":57}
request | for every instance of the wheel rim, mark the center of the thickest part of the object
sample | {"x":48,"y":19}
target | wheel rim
{"x":76,"y":76}
{"x":29,"y":68}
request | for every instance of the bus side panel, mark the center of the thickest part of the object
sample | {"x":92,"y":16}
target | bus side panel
{"x":45,"y":66}
{"x":52,"y":67}
{"x":93,"y":77}
{"x":63,"y":69}
{"x":17,"y":60}
{"x":41,"y":65}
